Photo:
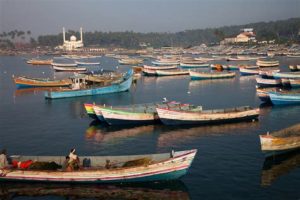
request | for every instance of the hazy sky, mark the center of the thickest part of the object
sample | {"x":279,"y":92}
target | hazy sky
{"x":49,"y":16}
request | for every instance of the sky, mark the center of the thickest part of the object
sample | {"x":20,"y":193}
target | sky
{"x":49,"y":16}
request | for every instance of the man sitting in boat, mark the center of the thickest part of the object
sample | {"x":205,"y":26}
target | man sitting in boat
{"x":73,"y":160}
{"x":3,"y":160}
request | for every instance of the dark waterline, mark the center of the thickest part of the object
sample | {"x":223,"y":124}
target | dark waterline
{"x":229,"y":163}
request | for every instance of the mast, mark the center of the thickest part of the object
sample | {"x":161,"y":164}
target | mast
{"x":81,"y":36}
{"x":64,"y":34}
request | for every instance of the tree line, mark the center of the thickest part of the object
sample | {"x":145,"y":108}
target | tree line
{"x":282,"y":31}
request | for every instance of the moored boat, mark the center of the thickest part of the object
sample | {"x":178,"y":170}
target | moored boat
{"x":263,"y":93}
{"x":90,"y":110}
{"x":39,"y":62}
{"x":281,"y":141}
{"x":210,"y":75}
{"x":193,"y":64}
{"x":287,"y":75}
{"x":63,"y":64}
{"x":263,"y":82}
{"x":130,"y":61}
{"x":69,"y":69}
{"x":294,"y":68}
{"x":171,"y":72}
{"x":285,"y":97}
{"x":149,"y":72}
{"x":107,"y":169}
{"x":249,"y":70}
{"x":194,"y":115}
{"x":24,"y":82}
{"x":160,"y":67}
{"x":110,"y":84}
{"x":295,"y":83}
{"x":267,"y":62}
{"x":81,"y":63}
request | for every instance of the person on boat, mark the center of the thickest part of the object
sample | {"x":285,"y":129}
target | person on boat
{"x":3,"y":159}
{"x":73,"y":160}
{"x":66,"y":165}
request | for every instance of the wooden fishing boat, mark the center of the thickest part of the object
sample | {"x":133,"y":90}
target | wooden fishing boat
{"x":165,"y":62}
{"x":281,"y":141}
{"x":194,"y":115}
{"x":136,"y":114}
{"x":87,"y":63}
{"x":294,"y":68}
{"x":166,"y":67}
{"x":249,"y":70}
{"x":149,"y":72}
{"x":267,"y":62}
{"x":171,"y":72}
{"x":295,"y":83}
{"x":267,"y":73}
{"x":210,"y":75}
{"x":39,"y":62}
{"x":287,"y":75}
{"x":107,"y":169}
{"x":233,"y":67}
{"x":263,"y":82}
{"x":193,"y":64}
{"x":130,"y":61}
{"x":63,"y":64}
{"x":110,"y":84}
{"x":25,"y":82}
{"x":69,"y":69}
{"x":90,"y":110}
{"x":263,"y":94}
{"x":285,"y":97}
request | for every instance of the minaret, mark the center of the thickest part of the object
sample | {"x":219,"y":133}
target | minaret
{"x":64,"y":34}
{"x":81,"y":38}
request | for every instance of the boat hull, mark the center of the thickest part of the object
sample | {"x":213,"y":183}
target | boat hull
{"x":165,"y":167}
{"x":171,"y":117}
{"x":203,"y":76}
{"x":284,"y":99}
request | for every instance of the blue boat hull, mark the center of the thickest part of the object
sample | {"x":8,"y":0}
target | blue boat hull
{"x":279,"y":99}
{"x":114,"y":88}
{"x":186,"y":122}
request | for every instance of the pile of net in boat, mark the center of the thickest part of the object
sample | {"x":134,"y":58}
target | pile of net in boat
{"x":137,"y":162}
{"x":44,"y":166}
{"x":292,"y":131}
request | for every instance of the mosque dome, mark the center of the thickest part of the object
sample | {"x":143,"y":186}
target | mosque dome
{"x":73,"y":38}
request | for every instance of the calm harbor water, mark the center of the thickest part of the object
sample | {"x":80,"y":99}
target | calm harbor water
{"x":229,"y":163}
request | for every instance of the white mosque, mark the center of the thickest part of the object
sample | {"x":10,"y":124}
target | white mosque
{"x":73,"y":43}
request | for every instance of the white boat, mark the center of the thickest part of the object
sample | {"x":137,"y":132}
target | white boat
{"x":263,"y":82}
{"x":69,"y":69}
{"x":64,"y":64}
{"x":87,"y":63}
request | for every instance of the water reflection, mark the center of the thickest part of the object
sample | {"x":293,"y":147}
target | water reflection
{"x":195,"y":84}
{"x":160,"y":190}
{"x":102,"y":133}
{"x":180,"y":135}
{"x":277,"y":166}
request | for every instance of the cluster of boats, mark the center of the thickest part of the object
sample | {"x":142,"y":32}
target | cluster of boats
{"x":168,"y":113}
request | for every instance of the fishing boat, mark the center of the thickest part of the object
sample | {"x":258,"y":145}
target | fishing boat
{"x":175,"y":72}
{"x":39,"y":62}
{"x":160,"y":67}
{"x":287,"y":75}
{"x":295,"y":83}
{"x":294,"y":68}
{"x":137,"y":114}
{"x":69,"y":69}
{"x":90,"y":110}
{"x":267,"y":73}
{"x":87,"y":63}
{"x":193,"y":115}
{"x":281,"y":141}
{"x":285,"y":97}
{"x":249,"y":70}
{"x":233,"y":67}
{"x":54,"y":64}
{"x":130,"y":61}
{"x":210,"y":75}
{"x":264,"y":82}
{"x":25,"y":82}
{"x":218,"y":67}
{"x":267,"y":62}
{"x":85,"y":86}
{"x":106,"y":169}
{"x":149,"y":72}
{"x":263,"y":94}
{"x":165,"y":62}
{"x":193,"y":64}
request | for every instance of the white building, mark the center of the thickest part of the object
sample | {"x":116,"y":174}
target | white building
{"x":73,"y":43}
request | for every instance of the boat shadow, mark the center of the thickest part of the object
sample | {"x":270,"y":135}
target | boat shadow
{"x":279,"y":165}
{"x":152,"y":190}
